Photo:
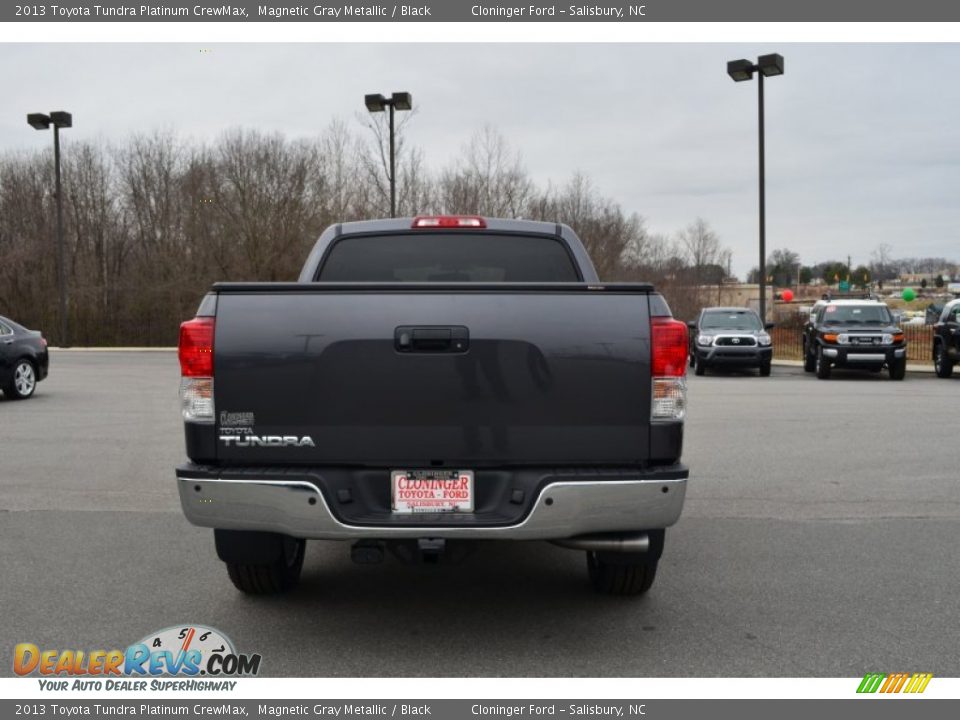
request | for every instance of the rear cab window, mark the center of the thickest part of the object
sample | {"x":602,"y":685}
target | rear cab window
{"x":449,"y":256}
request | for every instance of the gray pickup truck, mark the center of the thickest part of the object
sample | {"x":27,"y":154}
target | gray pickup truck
{"x":428,"y":383}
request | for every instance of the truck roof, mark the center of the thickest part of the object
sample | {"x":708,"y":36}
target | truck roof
{"x":406,"y":223}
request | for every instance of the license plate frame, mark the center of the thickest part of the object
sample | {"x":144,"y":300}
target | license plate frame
{"x":432,"y":491}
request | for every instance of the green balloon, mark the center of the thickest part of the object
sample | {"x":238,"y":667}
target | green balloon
{"x":909,"y":294}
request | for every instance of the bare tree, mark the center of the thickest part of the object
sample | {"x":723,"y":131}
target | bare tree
{"x":375,"y":157}
{"x":783,"y":266}
{"x":151,"y":222}
{"x":340,"y":165}
{"x":489,"y":179}
{"x":700,"y":245}
{"x":99,"y":243}
{"x":27,"y":258}
{"x":882,"y":261}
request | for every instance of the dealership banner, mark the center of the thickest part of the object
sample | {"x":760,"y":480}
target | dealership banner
{"x":637,"y":11}
{"x":407,"y":709}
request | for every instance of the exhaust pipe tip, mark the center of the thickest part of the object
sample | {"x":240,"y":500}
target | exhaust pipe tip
{"x":638,"y":543}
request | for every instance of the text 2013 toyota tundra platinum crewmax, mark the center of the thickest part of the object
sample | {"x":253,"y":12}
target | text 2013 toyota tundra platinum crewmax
{"x":429,"y":383}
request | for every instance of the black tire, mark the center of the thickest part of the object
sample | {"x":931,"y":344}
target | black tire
{"x":625,"y":574}
{"x":624,"y":577}
{"x":765,"y":369}
{"x":270,"y":578}
{"x":700,"y":368}
{"x":898,"y":369}
{"x":693,"y":359}
{"x":23,"y":381}
{"x":822,"y":365}
{"x":809,"y":361}
{"x":941,"y":364}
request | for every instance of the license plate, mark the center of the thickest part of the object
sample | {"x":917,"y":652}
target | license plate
{"x":431,"y":491}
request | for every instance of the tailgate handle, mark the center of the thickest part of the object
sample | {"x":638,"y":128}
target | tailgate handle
{"x":431,"y":339}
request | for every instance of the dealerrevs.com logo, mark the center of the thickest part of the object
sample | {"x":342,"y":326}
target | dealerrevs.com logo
{"x":178,"y":651}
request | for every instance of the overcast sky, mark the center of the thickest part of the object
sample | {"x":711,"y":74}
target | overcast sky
{"x":863,"y":140}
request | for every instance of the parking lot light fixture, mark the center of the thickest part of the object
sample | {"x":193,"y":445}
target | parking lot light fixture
{"x":770,"y":65}
{"x":402,"y":101}
{"x":40,"y":121}
{"x":379,"y":103}
{"x":375,"y":103}
{"x":740,"y":70}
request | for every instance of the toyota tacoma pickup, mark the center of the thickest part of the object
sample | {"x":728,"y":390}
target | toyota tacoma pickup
{"x":429,"y":383}
{"x":730,"y":337}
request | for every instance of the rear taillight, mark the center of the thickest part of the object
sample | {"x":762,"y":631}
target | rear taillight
{"x":449,"y":221}
{"x":668,"y":365}
{"x":669,"y":347}
{"x":196,"y":347}
{"x":196,"y":368}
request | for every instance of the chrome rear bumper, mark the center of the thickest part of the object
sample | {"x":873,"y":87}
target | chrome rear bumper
{"x":562,"y":509}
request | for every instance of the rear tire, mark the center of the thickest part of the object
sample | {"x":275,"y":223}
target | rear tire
{"x":261,"y":563}
{"x":898,"y":369}
{"x":626,"y":574}
{"x":23,"y":382}
{"x":628,"y":577}
{"x":822,"y":365}
{"x":941,"y":363}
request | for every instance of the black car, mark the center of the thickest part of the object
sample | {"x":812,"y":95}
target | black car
{"x":730,"y":337}
{"x":860,"y":334}
{"x":946,"y":340}
{"x":24,"y":360}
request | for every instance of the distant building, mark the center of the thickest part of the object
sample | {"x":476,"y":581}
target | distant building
{"x":735,"y":295}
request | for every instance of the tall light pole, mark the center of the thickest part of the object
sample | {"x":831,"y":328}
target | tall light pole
{"x":41,"y":121}
{"x":378,"y":103}
{"x":741,"y":70}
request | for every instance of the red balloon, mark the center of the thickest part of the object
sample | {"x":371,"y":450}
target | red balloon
{"x":787,"y":295}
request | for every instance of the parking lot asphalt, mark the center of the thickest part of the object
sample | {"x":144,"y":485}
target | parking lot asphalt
{"x":818,"y":539}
